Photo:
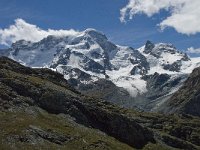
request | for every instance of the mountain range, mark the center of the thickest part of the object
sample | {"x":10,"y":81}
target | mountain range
{"x":143,"y":78}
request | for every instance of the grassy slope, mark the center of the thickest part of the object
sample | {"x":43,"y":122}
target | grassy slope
{"x":14,"y":125}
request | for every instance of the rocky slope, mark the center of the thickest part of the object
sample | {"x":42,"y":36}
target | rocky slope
{"x":26,"y":91}
{"x":143,"y":78}
{"x":187,"y":99}
{"x":39,"y":110}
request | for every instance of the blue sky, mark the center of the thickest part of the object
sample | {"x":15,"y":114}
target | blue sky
{"x":102,"y":15}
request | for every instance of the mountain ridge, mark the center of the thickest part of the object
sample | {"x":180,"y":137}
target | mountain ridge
{"x":89,"y":56}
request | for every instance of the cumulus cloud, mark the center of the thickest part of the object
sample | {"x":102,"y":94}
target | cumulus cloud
{"x":192,"y":50}
{"x":184,"y":14}
{"x":23,"y":30}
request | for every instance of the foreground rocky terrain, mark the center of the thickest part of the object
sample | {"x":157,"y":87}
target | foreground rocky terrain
{"x":40,"y":110}
{"x":141,"y":78}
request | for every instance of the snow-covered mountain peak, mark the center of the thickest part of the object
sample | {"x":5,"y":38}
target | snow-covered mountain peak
{"x":95,"y":34}
{"x":165,"y":58}
{"x":151,"y":48}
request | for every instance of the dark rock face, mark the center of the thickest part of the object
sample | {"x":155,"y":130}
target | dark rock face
{"x":176,"y":66}
{"x":185,"y":58}
{"x":142,"y":66}
{"x":187,"y":99}
{"x":138,"y":70}
{"x":158,"y":80}
{"x":118,"y":126}
{"x":148,"y":47}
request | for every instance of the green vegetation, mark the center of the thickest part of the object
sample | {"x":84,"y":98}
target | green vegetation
{"x":16,"y":132}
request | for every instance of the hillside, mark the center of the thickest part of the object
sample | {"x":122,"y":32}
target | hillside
{"x":187,"y":99}
{"x":39,"y":110}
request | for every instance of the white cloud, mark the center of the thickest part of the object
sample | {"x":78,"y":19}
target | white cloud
{"x":23,"y":30}
{"x":184,"y":14}
{"x":192,"y":50}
